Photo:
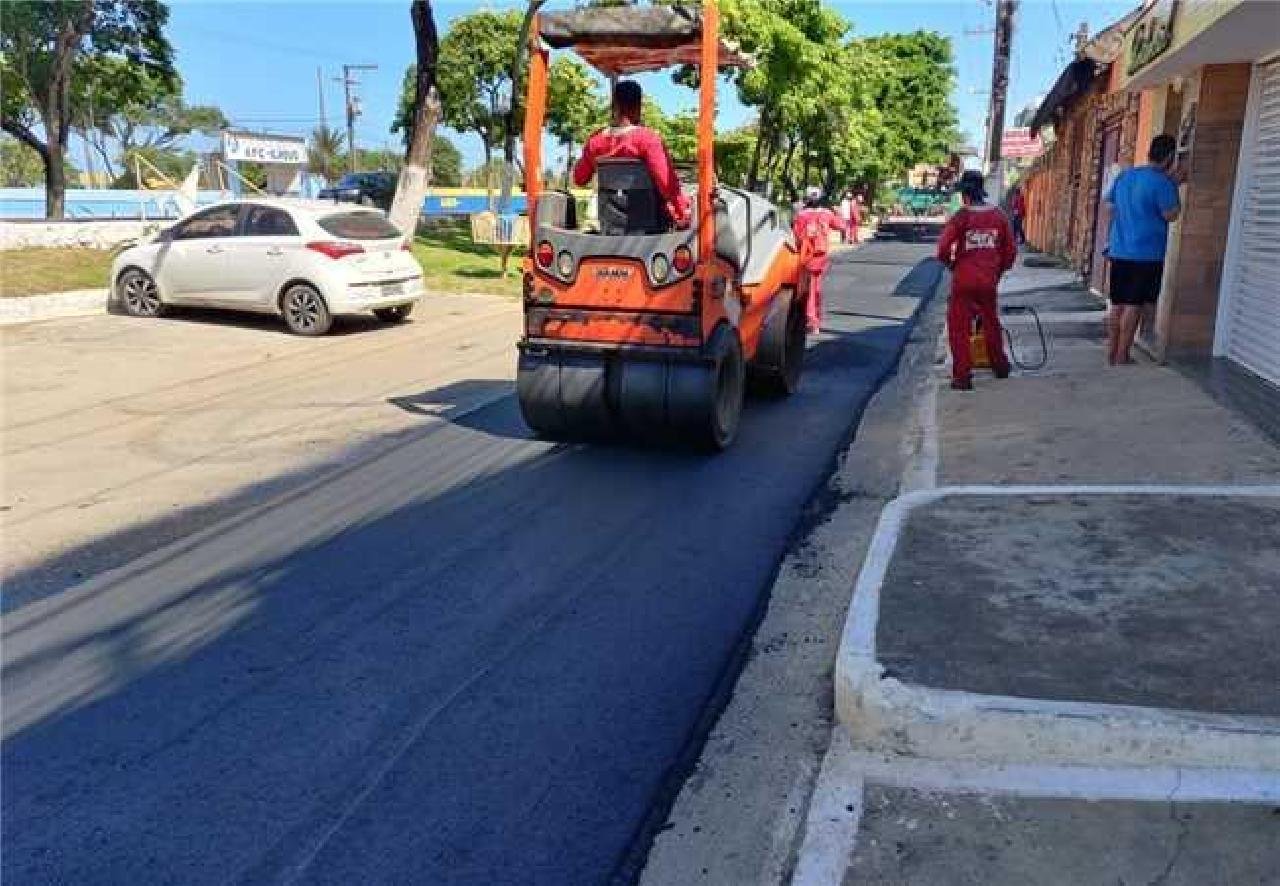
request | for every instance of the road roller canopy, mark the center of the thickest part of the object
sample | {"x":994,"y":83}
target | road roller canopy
{"x":623,"y":40}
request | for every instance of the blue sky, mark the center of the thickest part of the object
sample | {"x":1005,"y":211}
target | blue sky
{"x":258,"y":61}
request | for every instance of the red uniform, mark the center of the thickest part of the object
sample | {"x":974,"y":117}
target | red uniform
{"x":978,"y":245}
{"x":637,"y":142}
{"x":812,"y":229}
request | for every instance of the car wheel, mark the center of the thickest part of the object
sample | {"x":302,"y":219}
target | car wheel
{"x":304,"y":310}
{"x":397,"y":314}
{"x":139,"y":294}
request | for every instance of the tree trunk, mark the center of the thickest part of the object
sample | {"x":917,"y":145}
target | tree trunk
{"x":415,"y":177}
{"x":55,"y":181}
{"x":753,"y":169}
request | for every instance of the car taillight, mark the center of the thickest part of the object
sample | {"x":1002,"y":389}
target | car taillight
{"x":406,"y":246}
{"x":682,"y":259}
{"x":545,"y":254}
{"x":335,"y":248}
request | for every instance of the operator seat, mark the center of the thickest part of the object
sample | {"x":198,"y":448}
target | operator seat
{"x":627,"y":199}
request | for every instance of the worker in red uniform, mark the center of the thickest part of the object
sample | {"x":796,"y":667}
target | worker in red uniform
{"x":978,"y":246}
{"x":627,"y":138}
{"x":812,"y":227}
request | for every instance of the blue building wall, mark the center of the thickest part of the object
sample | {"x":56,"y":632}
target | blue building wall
{"x":28,"y":203}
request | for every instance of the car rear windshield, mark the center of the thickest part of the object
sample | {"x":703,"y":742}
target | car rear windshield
{"x":359,"y":226}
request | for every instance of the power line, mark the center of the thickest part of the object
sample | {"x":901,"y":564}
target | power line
{"x":242,"y":40}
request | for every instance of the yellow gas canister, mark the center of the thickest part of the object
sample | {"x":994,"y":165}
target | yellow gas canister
{"x":978,"y":355}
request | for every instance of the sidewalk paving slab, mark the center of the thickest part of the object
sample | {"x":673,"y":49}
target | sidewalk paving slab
{"x":1158,"y":601}
{"x":907,"y":836}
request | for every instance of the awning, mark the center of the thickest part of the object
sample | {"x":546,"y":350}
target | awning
{"x":1075,"y":80}
{"x":620,"y":40}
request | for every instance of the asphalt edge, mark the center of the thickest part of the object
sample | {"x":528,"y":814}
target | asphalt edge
{"x":927,"y":279}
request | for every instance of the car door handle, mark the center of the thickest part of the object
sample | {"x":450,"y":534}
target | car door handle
{"x":275,"y":250}
{"x":213,"y":250}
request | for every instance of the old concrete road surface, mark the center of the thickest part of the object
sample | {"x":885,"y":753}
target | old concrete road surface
{"x":471,"y":657}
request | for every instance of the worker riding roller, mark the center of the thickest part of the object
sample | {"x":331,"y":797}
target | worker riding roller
{"x":655,"y":324}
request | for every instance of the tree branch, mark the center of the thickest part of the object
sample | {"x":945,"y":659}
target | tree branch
{"x":23,"y":133}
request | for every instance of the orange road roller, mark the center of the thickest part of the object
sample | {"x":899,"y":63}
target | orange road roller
{"x":637,"y":329}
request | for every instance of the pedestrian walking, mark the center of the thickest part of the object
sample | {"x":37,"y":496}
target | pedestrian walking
{"x":1018,"y":213}
{"x":812,"y":227}
{"x":848,"y":211}
{"x":978,"y":246}
{"x":1143,"y":201}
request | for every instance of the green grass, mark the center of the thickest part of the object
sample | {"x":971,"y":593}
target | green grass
{"x":37,"y":271}
{"x":452,"y":263}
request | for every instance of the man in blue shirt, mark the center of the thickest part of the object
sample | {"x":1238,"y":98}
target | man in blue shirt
{"x":1143,"y":201}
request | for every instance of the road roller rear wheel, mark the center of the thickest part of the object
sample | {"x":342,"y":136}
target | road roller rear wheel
{"x":716,"y":417}
{"x":780,"y":356}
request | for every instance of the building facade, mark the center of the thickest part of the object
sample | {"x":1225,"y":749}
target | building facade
{"x":1208,"y":73}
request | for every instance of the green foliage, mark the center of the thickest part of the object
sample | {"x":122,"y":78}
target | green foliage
{"x":51,"y":53}
{"x":326,"y":152}
{"x":172,"y":163}
{"x":576,"y":104}
{"x":474,"y":76}
{"x":835,"y":110}
{"x":119,"y":109}
{"x":20,"y":165}
{"x":733,"y":155}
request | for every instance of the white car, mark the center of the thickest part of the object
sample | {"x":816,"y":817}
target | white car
{"x":304,"y":260}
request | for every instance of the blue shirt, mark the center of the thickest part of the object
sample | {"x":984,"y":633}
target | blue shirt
{"x":1139,"y":198}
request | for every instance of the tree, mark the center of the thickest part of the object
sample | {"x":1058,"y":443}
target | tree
{"x":915,"y":96}
{"x":48,"y":49}
{"x":415,"y":178}
{"x":20,"y":165}
{"x":172,"y":163}
{"x":119,"y":110}
{"x":325,"y":152}
{"x":575,"y":105}
{"x":476,"y":91}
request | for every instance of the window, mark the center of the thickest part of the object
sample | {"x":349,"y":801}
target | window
{"x":264,"y":221}
{"x":359,"y":226}
{"x":219,"y":222}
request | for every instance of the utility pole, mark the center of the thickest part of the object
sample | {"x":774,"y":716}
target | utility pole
{"x":1005,"y":10}
{"x":353,"y":108}
{"x":324,"y":123}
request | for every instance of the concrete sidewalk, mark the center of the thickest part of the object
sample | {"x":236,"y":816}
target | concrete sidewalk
{"x":1075,"y":600}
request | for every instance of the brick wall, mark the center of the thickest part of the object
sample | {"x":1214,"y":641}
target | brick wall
{"x":1192,"y":287}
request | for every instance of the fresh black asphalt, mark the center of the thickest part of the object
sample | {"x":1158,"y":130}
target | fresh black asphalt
{"x":472,"y":658}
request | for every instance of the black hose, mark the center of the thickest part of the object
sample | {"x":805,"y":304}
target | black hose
{"x":1008,"y":338}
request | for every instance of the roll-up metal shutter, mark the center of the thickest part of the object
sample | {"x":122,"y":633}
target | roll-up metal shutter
{"x":1253,"y":300}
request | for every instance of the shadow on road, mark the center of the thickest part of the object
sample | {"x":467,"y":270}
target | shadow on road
{"x":454,"y":654}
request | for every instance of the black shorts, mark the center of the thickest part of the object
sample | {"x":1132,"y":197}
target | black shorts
{"x":1135,"y":282}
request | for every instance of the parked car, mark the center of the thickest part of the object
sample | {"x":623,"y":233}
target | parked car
{"x":366,"y":188}
{"x":304,"y":260}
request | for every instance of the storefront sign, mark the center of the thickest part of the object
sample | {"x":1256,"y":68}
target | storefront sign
{"x":1152,"y":35}
{"x":1019,"y":142}
{"x":263,"y":148}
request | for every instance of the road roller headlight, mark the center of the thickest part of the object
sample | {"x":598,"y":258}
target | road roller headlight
{"x":660,"y":267}
{"x":682,"y":260}
{"x":564,"y":264}
{"x":544,"y":254}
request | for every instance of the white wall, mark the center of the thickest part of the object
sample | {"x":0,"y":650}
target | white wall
{"x":83,"y":234}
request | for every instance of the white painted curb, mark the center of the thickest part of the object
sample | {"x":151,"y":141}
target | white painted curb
{"x":30,"y":308}
{"x":890,"y":716}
